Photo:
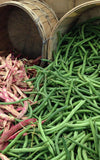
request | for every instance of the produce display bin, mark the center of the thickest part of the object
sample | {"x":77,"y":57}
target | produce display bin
{"x":26,"y":26}
{"x":78,"y":14}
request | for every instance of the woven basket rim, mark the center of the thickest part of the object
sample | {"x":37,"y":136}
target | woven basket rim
{"x":81,"y":6}
{"x":53,"y":37}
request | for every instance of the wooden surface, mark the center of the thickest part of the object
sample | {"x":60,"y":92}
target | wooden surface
{"x":77,"y":2}
{"x":62,"y":6}
{"x":1,"y":1}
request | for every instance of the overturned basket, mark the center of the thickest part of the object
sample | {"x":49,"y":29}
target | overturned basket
{"x":26,"y":26}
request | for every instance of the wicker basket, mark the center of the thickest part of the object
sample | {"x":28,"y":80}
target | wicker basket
{"x":78,"y":14}
{"x":26,"y":26}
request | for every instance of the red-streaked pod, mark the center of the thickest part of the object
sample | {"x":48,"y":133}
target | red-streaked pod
{"x":24,"y":110}
{"x":5,"y":136}
{"x":6,"y":117}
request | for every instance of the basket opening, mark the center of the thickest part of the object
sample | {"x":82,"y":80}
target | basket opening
{"x":82,"y":15}
{"x":19,"y":32}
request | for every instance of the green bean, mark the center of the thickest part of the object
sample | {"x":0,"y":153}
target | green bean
{"x":57,"y":138}
{"x":85,"y":98}
{"x":77,"y":140}
{"x":57,"y":111}
{"x":76,"y":117}
{"x":79,"y":153}
{"x":72,"y":155}
{"x":34,"y":67}
{"x":62,"y":154}
{"x":60,"y":42}
{"x":45,"y":91}
{"x":94,"y":74}
{"x":19,"y":141}
{"x":84,"y":111}
{"x":12,"y":158}
{"x":84,"y":41}
{"x":66,"y":149}
{"x":38,"y":81}
{"x":77,"y":158}
{"x":44,"y":137}
{"x":82,"y":125}
{"x":84,"y":147}
{"x":57,"y":56}
{"x":59,"y":156}
{"x":21,"y":100}
{"x":93,"y":109}
{"x":41,"y":106}
{"x":94,"y":81}
{"x":36,"y":140}
{"x":84,"y":154}
{"x":36,"y":157}
{"x":84,"y":117}
{"x":25,"y":142}
{"x":82,"y":142}
{"x":55,"y":121}
{"x":51,"y":143}
{"x":13,"y":154}
{"x":31,"y":111}
{"x":98,"y":148}
{"x":27,"y":150}
{"x":64,"y":66}
{"x":69,"y":92}
{"x":58,"y":74}
{"x":59,"y":126}
{"x":31,"y":79}
{"x":93,"y":48}
{"x":31,"y":155}
{"x":68,"y":47}
{"x":84,"y":63}
{"x":36,"y":92}
{"x":94,"y":135}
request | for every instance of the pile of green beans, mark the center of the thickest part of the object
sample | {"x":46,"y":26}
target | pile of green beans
{"x":68,"y":99}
